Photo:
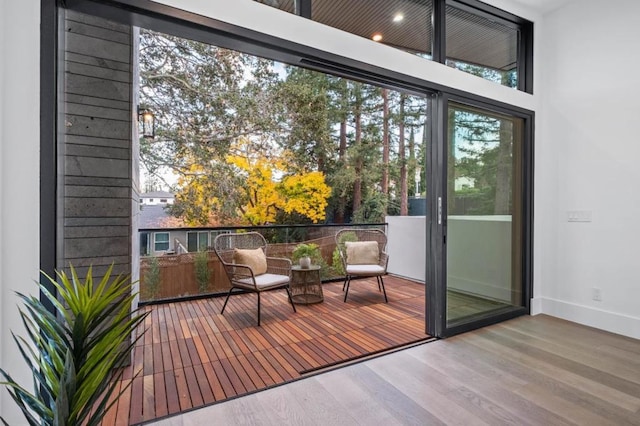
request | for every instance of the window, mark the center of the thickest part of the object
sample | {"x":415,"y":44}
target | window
{"x":197,"y":241}
{"x":404,"y":24}
{"x":144,"y":244}
{"x":464,"y":34}
{"x":160,"y":241}
{"x":163,"y":200}
{"x":483,"y":46}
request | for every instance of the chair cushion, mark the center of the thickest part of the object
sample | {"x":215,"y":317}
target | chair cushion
{"x":368,"y":270}
{"x":266,"y":281}
{"x":362,"y":252}
{"x":253,"y":258}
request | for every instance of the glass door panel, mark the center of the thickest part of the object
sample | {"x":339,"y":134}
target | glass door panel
{"x":484,"y":215}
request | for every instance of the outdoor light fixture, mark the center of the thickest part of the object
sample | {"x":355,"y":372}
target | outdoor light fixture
{"x":376,"y":37}
{"x":147,"y":122}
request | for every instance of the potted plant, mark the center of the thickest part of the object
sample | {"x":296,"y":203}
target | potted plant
{"x":304,"y":253}
{"x":75,"y":353}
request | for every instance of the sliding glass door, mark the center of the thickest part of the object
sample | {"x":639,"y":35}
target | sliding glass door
{"x":481,"y":222}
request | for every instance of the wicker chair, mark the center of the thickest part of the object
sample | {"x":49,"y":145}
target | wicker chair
{"x":374,"y":265}
{"x":231,"y":250}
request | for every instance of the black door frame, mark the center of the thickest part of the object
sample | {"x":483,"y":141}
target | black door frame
{"x":148,"y":14}
{"x":437,"y":222}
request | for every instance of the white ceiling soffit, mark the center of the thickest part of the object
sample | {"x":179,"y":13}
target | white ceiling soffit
{"x":543,"y":6}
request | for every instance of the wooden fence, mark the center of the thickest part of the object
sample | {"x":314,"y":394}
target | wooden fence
{"x":177,"y":273}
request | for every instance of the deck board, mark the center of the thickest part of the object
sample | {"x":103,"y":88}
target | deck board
{"x":191,"y":355}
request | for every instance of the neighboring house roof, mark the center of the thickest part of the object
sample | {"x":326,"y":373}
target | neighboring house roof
{"x":157,"y":194}
{"x":156,"y":216}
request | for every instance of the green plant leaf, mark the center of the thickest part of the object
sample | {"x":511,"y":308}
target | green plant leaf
{"x":73,"y":353}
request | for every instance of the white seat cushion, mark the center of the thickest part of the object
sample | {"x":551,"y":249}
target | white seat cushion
{"x":365,"y":270}
{"x":265,"y":281}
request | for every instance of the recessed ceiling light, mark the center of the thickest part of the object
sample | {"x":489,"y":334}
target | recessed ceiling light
{"x":376,"y":37}
{"x":398,"y":17}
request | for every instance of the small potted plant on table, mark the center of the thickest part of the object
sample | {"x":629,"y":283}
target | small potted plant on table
{"x":304,"y":253}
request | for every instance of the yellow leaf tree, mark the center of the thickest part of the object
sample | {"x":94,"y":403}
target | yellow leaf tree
{"x":268,"y":190}
{"x":306,"y":194}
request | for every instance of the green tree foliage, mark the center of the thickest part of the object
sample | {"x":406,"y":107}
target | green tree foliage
{"x":483,"y":146}
{"x":205,"y":98}
{"x":210,"y":99}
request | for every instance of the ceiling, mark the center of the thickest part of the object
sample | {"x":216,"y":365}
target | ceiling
{"x":543,"y":6}
{"x":470,"y":39}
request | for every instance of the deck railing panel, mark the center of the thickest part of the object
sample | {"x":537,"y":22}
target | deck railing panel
{"x":175,"y":274}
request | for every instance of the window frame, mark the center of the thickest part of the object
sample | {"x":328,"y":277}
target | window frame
{"x":524,"y":58}
{"x":156,"y":242}
{"x":199,"y":245}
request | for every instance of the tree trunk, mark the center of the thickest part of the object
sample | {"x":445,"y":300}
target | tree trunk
{"x":342,"y":151}
{"x":402,"y":158}
{"x":412,"y":161}
{"x":503,"y":169}
{"x":384,"y":184}
{"x":357,"y":184}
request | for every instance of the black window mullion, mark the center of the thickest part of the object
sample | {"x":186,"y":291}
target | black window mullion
{"x":525,"y":58}
{"x":438,"y":23}
{"x":303,"y":8}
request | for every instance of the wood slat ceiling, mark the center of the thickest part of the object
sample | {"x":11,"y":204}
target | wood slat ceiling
{"x":477,"y":40}
{"x":470,"y":38}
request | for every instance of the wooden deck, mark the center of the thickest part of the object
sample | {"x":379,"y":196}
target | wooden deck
{"x":193,"y":356}
{"x":530,"y":371}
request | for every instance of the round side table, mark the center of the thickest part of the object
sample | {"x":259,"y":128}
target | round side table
{"x":305,"y":286}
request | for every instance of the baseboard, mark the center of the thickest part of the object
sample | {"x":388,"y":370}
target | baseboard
{"x":535,"y":306}
{"x":604,"y":320}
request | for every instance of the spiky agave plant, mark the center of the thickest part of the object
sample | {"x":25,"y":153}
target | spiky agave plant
{"x":75,"y":354}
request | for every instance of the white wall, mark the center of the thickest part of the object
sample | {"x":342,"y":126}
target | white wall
{"x":478,"y":256}
{"x":407,"y":246}
{"x":588,"y":152}
{"x":19,"y":177}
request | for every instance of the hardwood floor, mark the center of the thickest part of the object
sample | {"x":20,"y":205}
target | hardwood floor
{"x":528,"y":371}
{"x":191,"y":355}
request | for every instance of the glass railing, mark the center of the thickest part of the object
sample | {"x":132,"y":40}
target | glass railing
{"x":188,"y":267}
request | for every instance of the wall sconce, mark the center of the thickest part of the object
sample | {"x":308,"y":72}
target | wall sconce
{"x":147,"y":122}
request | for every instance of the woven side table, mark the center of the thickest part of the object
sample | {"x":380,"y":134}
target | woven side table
{"x":306,"y":287}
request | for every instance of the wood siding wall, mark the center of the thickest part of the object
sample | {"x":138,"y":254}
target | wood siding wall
{"x":96,"y":145}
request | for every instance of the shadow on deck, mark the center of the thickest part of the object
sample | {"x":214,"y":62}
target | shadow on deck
{"x":193,"y":356}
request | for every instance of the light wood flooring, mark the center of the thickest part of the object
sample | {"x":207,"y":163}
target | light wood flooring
{"x":528,"y":371}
